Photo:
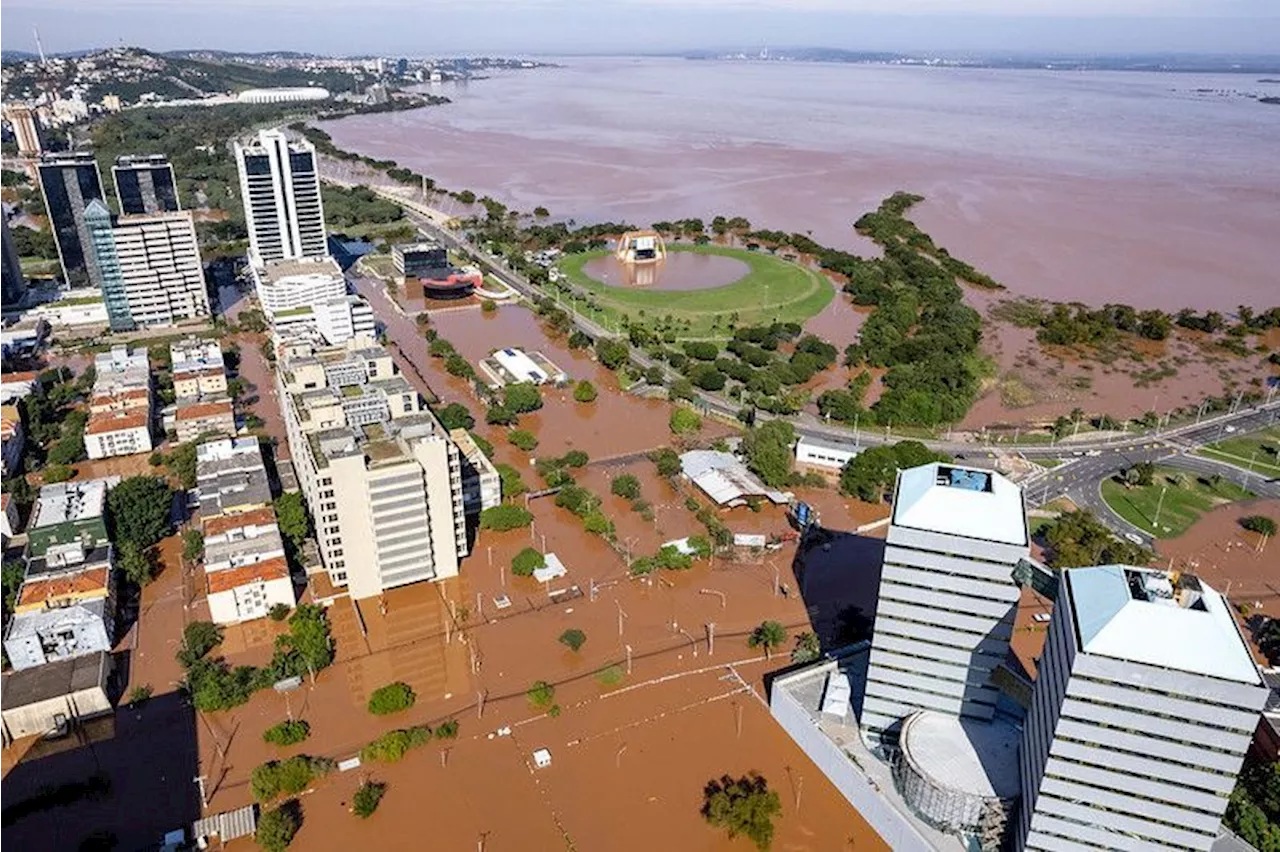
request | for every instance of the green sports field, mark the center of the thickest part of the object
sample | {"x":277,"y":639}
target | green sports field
{"x":1187,"y":496}
{"x":773,"y":290}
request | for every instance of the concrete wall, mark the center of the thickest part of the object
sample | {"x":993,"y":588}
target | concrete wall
{"x":38,"y":718}
{"x":888,"y":822}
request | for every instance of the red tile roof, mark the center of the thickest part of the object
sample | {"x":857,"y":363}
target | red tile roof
{"x":253,"y":518}
{"x":83,"y":583}
{"x":201,"y":410}
{"x":270,"y":569}
{"x":115,"y":421}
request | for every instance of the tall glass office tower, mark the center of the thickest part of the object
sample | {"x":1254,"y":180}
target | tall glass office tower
{"x":69,"y":182}
{"x":145,"y":184}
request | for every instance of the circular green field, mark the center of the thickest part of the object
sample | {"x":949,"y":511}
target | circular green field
{"x":774,"y":290}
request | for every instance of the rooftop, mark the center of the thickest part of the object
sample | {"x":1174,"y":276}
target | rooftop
{"x":69,"y":501}
{"x":81,"y":583}
{"x":240,"y":549}
{"x":1158,"y":618}
{"x":724,"y":478}
{"x":265,"y":571}
{"x":213,"y":527}
{"x":277,"y":270}
{"x":52,"y":680}
{"x":101,"y":423}
{"x":823,"y":444}
{"x":960,"y":501}
{"x":195,"y":353}
{"x":204,"y":409}
{"x":224,"y":449}
{"x":977,"y":758}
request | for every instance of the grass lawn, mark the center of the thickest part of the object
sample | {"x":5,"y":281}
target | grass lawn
{"x":1186,"y":498}
{"x":1262,"y":447}
{"x":773,"y":290}
{"x":1049,"y":463}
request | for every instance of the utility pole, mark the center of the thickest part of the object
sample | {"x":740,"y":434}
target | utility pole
{"x":480,"y":696}
{"x":711,"y":638}
{"x":204,"y":801}
{"x":1159,"y":504}
{"x":621,"y":616}
{"x":628,"y":659}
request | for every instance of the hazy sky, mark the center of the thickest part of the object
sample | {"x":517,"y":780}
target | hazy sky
{"x":425,"y":27}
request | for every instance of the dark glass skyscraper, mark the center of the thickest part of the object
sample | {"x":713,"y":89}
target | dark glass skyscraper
{"x":69,"y":182}
{"x":145,"y":184}
{"x":14,"y":284}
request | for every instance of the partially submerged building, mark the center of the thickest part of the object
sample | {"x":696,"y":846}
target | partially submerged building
{"x":383,"y":479}
{"x":66,"y":605}
{"x":120,"y":408}
{"x":246,"y":573}
{"x":48,"y":700}
{"x":726,"y":480}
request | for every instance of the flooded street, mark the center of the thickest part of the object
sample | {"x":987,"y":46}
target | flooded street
{"x":1091,"y":186}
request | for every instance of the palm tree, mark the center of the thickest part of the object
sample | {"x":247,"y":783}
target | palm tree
{"x":770,"y":634}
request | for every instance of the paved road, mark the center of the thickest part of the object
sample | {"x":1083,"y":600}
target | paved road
{"x":1090,"y":461}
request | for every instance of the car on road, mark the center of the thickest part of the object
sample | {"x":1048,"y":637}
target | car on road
{"x":1230,"y":429}
{"x":1135,"y":538}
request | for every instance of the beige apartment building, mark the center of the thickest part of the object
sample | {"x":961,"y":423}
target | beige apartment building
{"x":380,"y":474}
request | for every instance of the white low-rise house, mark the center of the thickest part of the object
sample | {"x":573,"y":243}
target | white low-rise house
{"x":201,"y":418}
{"x":120,"y":433}
{"x":246,"y":573}
{"x":725,"y":479}
{"x":16,"y":386}
{"x":198,"y":369}
{"x":827,"y":456}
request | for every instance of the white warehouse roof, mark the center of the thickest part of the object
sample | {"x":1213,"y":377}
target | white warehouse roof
{"x":961,"y":501}
{"x":520,"y":365}
{"x":1160,"y":619}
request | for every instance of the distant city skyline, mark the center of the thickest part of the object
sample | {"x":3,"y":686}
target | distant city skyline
{"x":568,"y":27}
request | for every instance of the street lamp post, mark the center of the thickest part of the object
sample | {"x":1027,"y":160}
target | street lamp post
{"x":1159,"y":505}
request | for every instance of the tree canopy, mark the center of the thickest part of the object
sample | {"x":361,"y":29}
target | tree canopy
{"x":742,"y":806}
{"x":868,"y":474}
{"x":140,"y":510}
{"x":767,"y":449}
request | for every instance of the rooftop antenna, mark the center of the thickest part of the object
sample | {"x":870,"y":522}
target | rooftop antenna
{"x":40,"y":47}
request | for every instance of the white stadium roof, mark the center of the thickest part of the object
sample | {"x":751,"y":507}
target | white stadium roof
{"x":961,"y":501}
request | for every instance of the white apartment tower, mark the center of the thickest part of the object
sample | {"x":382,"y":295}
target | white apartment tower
{"x":947,"y":596}
{"x":280,"y":188}
{"x":1146,"y":700}
{"x":381,"y":476}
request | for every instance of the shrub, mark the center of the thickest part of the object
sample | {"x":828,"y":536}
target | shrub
{"x":393,"y":745}
{"x":447,"y":730}
{"x":278,"y":612}
{"x":366,"y":799}
{"x":58,"y":473}
{"x":626,"y":486}
{"x":597,"y":523}
{"x":287,"y":777}
{"x":742,"y":806}
{"x":524,"y":563}
{"x":523,"y":439}
{"x":455,"y":416}
{"x":287,"y":733}
{"x":488,"y":306}
{"x":541,"y":694}
{"x":277,"y":826}
{"x":573,"y":638}
{"x":611,"y":675}
{"x":666,"y":460}
{"x":501,"y":518}
{"x":575,"y":459}
{"x":512,"y":482}
{"x":521,"y":398}
{"x":684,"y":422}
{"x":139,"y":695}
{"x":198,"y":639}
{"x":1260,"y":524}
{"x":391,"y":698}
{"x":585,"y":392}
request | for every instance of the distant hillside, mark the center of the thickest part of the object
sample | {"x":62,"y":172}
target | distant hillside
{"x":132,"y":73}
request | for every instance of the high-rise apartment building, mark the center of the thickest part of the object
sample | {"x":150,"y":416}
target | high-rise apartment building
{"x":380,"y":474}
{"x":26,"y":130}
{"x":14,"y":283}
{"x":280,"y":187}
{"x":947,"y":596}
{"x":70,"y":181}
{"x":148,"y":267}
{"x":145,"y":184}
{"x":1146,"y":700}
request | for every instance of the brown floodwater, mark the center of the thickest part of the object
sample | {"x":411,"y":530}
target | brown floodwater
{"x":680,"y":270}
{"x":1096,"y":186}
